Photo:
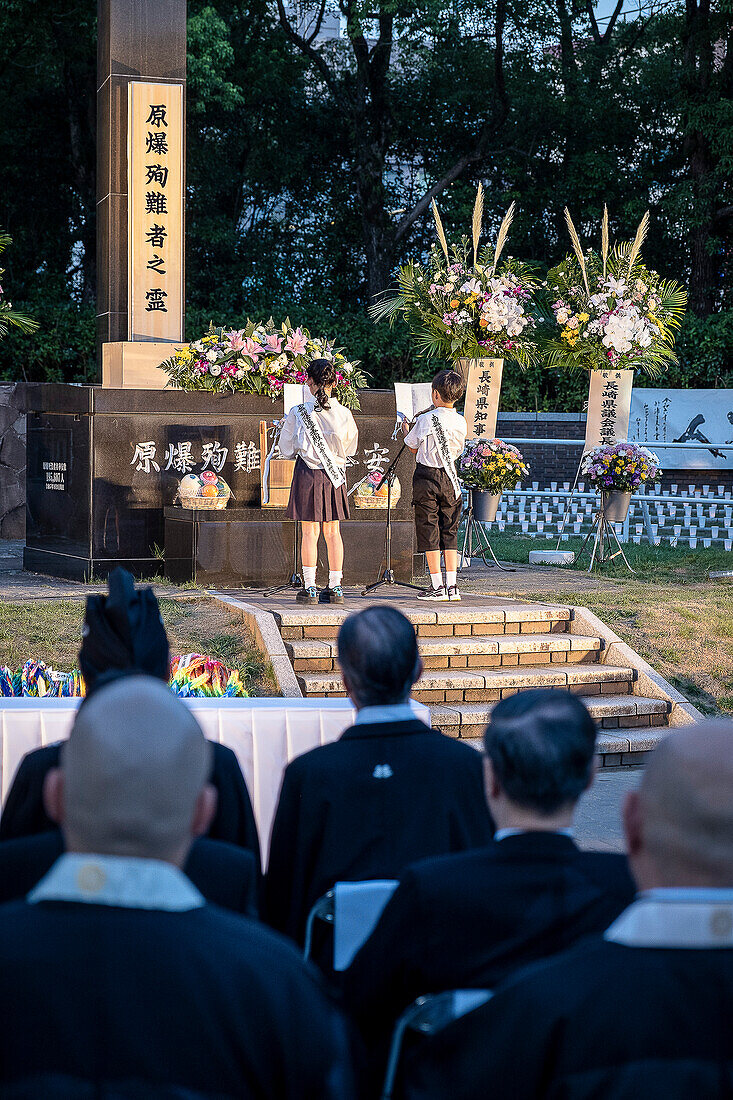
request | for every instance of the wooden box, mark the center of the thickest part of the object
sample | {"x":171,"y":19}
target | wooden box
{"x":280,"y":475}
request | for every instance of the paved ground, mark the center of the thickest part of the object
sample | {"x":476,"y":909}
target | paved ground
{"x":598,"y":823}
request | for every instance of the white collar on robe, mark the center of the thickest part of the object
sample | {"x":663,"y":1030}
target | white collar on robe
{"x":118,"y":880}
{"x":398,"y":712}
{"x":681,"y":918}
{"x":502,"y":834}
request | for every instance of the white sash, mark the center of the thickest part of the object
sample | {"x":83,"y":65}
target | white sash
{"x":322,"y":449}
{"x":444,"y":451}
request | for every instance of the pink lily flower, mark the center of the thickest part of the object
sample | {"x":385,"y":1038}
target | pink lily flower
{"x":296,"y":343}
{"x":274,"y":344}
{"x":253,"y":349}
{"x":236,"y":340}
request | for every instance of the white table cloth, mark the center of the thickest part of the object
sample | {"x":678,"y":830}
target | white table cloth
{"x":264,"y":733}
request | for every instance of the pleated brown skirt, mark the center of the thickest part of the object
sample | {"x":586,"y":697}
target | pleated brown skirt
{"x":313,"y":497}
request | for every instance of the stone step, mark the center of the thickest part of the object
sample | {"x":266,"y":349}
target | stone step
{"x":482,"y":685}
{"x":509,"y":650}
{"x":444,"y":620}
{"x":611,"y":712}
{"x":319,"y":654}
{"x":615,"y":748}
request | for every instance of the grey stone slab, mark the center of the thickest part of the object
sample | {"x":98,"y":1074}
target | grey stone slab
{"x":612,"y":741}
{"x":526,"y":676}
{"x":643,"y":740}
{"x":310,"y":648}
{"x":535,"y":643}
{"x":598,"y":673}
{"x":537,"y":612}
{"x":438,"y":679}
{"x":453,"y":645}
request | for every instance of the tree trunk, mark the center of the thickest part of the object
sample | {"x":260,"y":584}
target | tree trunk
{"x":697,"y":61}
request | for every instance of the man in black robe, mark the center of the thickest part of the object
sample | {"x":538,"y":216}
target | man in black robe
{"x":388,"y":792}
{"x":469,"y":920}
{"x":644,"y":1011}
{"x":117,"y":977}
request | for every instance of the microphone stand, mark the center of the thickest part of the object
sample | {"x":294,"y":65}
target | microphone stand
{"x":388,"y":577}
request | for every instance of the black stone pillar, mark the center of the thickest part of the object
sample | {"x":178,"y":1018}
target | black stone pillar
{"x":137,"y":39}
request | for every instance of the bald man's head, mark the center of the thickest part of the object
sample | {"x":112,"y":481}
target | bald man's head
{"x":134,"y":774}
{"x":679,"y":825}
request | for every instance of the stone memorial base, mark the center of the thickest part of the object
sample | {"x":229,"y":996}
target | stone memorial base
{"x":244,"y":546}
{"x":103,"y":468}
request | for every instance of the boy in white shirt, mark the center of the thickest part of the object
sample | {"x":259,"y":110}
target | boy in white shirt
{"x":437,"y":438}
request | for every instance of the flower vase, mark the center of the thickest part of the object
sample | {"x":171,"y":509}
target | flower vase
{"x":485,"y":505}
{"x":615,"y":506}
{"x":482,"y":378}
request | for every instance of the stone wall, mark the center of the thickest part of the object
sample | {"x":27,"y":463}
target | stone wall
{"x":12,"y":462}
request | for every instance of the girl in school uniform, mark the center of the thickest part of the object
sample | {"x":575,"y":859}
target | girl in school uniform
{"x":320,"y":435}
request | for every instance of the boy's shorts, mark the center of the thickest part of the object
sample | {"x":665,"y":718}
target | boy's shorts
{"x":437,"y":512}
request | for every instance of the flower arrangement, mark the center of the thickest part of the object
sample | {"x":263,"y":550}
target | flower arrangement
{"x":259,"y":359}
{"x":491,"y":465}
{"x":461,"y":303}
{"x":621,"y":468}
{"x":8,"y":316}
{"x":612,"y":311}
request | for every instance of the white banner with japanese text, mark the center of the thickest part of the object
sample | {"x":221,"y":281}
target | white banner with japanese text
{"x":609,"y":404}
{"x":483,"y":387}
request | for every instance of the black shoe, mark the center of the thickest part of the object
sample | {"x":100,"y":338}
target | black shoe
{"x":307,"y":595}
{"x":434,"y":595}
{"x":332,"y":595}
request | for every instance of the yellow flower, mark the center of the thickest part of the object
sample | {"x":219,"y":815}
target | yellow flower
{"x":582,"y":318}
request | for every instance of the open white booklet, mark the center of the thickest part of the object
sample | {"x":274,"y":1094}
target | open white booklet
{"x":412,"y":398}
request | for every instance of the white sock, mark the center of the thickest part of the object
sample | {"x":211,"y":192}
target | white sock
{"x":436,"y":580}
{"x":334,"y":578}
{"x":309,"y":576}
{"x":450,"y":579}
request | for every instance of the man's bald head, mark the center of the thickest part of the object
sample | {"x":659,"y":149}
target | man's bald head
{"x":135,"y":772}
{"x":679,"y":825}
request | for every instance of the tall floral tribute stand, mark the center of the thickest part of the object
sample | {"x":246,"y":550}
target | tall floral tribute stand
{"x":467,"y":308}
{"x":612,"y":316}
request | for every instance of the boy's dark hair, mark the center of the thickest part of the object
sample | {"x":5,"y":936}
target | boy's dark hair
{"x":541,"y":745}
{"x":449,"y":384}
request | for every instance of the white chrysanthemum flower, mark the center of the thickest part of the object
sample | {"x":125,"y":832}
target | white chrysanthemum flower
{"x":215,"y":370}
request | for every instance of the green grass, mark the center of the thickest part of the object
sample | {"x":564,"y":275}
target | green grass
{"x":50,"y":631}
{"x":652,"y":563}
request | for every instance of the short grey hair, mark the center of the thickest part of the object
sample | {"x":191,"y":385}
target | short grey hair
{"x":378,"y":654}
{"x":134,"y":766}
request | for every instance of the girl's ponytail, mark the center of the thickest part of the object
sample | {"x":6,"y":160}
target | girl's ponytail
{"x":323,"y":373}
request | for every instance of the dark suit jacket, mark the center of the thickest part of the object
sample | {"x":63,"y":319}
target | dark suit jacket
{"x":601,"y":1021}
{"x":24,"y":813}
{"x":364,"y":807}
{"x":225,"y":874}
{"x":110,"y":1001}
{"x":469,"y":920}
